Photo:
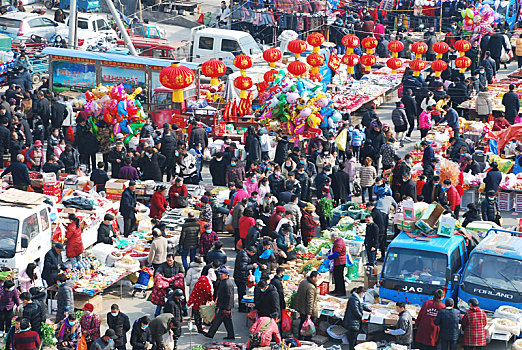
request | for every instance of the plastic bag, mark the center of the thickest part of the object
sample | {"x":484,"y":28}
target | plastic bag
{"x":252,"y":316}
{"x":325,"y":266}
{"x":59,"y":233}
{"x":286,"y":321}
{"x":170,"y":343}
{"x":353,"y":270}
{"x":257,"y":274}
{"x":340,"y":140}
{"x":82,"y":343}
{"x":207,"y":312}
{"x":308,"y":328}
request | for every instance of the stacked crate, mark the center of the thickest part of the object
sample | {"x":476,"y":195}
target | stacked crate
{"x":518,"y":202}
{"x":51,"y":186}
{"x":114,"y":188}
{"x":505,"y":200}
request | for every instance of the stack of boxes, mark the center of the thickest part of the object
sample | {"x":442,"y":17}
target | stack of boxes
{"x":114,"y":188}
{"x":51,"y":187}
{"x":505,"y":201}
{"x":518,"y":202}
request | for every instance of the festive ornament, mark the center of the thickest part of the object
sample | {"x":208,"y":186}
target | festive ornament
{"x":394,"y":64}
{"x":269,"y":76}
{"x":417,"y":66}
{"x":243,"y":84}
{"x":395,"y":46}
{"x":315,"y":60}
{"x":297,"y":68}
{"x":419,"y":48}
{"x":351,"y":42}
{"x":176,"y":77}
{"x":272,"y":56}
{"x":213,"y":69}
{"x":463,"y":63}
{"x":462,"y":46}
{"x":440,"y":48}
{"x":438,"y":67}
{"x":297,"y":47}
{"x":351,"y":60}
{"x":316,"y":77}
{"x":369,"y":43}
{"x":368,"y":61}
{"x":315,"y":40}
{"x":242,"y":62}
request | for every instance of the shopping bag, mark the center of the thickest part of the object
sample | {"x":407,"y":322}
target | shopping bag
{"x":82,"y":343}
{"x":201,"y":18}
{"x":340,"y":140}
{"x":207,"y":312}
{"x":70,"y":134}
{"x":170,"y":343}
{"x":352,"y":271}
{"x":308,"y":328}
{"x":286,"y":321}
{"x":325,"y":266}
{"x":257,"y":274}
{"x":252,"y":316}
{"x":59,"y":233}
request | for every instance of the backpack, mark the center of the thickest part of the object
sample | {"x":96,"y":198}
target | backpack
{"x":254,"y":340}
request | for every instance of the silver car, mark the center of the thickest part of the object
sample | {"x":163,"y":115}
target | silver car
{"x":21,"y":25}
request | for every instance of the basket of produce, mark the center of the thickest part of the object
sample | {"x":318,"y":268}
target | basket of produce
{"x":357,"y":211}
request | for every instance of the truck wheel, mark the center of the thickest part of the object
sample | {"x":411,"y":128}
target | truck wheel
{"x":49,"y":4}
{"x":36,"y":78}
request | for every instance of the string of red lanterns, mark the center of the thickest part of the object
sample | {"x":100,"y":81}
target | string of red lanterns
{"x":176,"y":77}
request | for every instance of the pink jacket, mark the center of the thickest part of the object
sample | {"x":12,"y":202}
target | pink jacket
{"x":251,"y":186}
{"x":267,"y":327}
{"x":425,"y":120}
{"x":240,"y":194}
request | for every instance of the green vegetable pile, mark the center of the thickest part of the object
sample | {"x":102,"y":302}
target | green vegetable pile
{"x":326,"y":207}
{"x":47,"y":332}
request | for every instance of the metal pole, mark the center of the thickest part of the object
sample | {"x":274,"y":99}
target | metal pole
{"x":141,"y":11}
{"x":72,"y":24}
{"x":120,"y":25}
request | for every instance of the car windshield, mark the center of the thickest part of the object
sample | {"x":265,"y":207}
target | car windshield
{"x":415,"y":266}
{"x":9,"y":22}
{"x":249,"y":46}
{"x":8,"y":237}
{"x":494,"y":271}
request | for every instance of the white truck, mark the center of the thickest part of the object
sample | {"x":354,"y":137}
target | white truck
{"x":92,"y":30}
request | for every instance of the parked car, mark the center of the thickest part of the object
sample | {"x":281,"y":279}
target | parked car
{"x":92,"y":30}
{"x":22,"y":25}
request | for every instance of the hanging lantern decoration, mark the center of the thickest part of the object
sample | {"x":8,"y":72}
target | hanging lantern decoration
{"x":395,"y":46}
{"x":315,"y":60}
{"x":351,"y":60}
{"x":417,"y":66}
{"x":316,"y":77}
{"x":297,"y":68}
{"x":272,"y":56}
{"x":438,"y":67}
{"x":440,"y":48}
{"x":176,"y":77}
{"x":351,"y":42}
{"x":394,"y":63}
{"x":213,"y":69}
{"x":269,"y":76}
{"x":243,"y":84}
{"x":369,"y":44}
{"x":463,"y":63}
{"x":368,"y":61}
{"x":243,"y":62}
{"x":462,"y":46}
{"x":419,"y":48}
{"x":297,"y":47}
{"x":315,"y":40}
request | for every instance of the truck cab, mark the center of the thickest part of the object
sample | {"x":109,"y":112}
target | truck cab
{"x":25,"y":234}
{"x":223,"y":45}
{"x":493,"y":273}
{"x":415,"y":267}
{"x":163,"y":110}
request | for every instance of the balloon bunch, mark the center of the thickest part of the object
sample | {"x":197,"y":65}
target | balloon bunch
{"x":479,"y":20}
{"x":297,"y":106}
{"x":116,"y":108}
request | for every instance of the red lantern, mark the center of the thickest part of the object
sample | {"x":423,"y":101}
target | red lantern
{"x":440,"y":48}
{"x":316,"y":77}
{"x":462,"y":46}
{"x":368,"y":61}
{"x":213,"y":69}
{"x":417,"y":66}
{"x":395,"y":46}
{"x":176,"y":77}
{"x":315,"y":60}
{"x":369,"y":43}
{"x":315,"y":40}
{"x":438,"y":67}
{"x":297,"y":47}
{"x":269,"y":76}
{"x":297,"y":68}
{"x":272,"y":56}
{"x":351,"y":61}
{"x":419,"y":48}
{"x":243,"y":62}
{"x":463,"y":63}
{"x":243,"y":84}
{"x":394,"y":64}
{"x":351,"y":42}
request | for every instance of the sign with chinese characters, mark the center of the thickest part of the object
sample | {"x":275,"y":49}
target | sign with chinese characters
{"x":129,"y":78}
{"x":69,"y":74}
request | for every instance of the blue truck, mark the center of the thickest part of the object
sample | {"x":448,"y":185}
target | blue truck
{"x":493,"y":273}
{"x":415,"y":267}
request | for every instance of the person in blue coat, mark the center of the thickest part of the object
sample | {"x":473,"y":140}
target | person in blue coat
{"x":128,"y":208}
{"x":20,"y":173}
{"x":493,"y":178}
{"x":452,"y":118}
{"x":448,"y":319}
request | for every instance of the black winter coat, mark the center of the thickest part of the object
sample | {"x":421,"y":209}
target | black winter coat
{"x":128,"y":203}
{"x":492,"y":180}
{"x":52,"y":263}
{"x":267,"y":302}
{"x":4,"y":138}
{"x":172,"y":306}
{"x":372,"y":236}
{"x":489,"y":209}
{"x":281,"y":151}
{"x":455,"y":151}
{"x":70,"y":161}
{"x":427,"y":192}
{"x":217,"y":255}
{"x":168,"y":271}
{"x":340,"y":185}
{"x":151,"y":167}
{"x":190,"y":234}
{"x":353,"y":313}
{"x":36,"y":314}
{"x":139,"y":336}
{"x":278,"y":285}
{"x":84,"y":141}
{"x":495,"y":45}
{"x":168,"y":144}
{"x":112,"y":158}
{"x":104,"y":234}
{"x":408,"y":188}
{"x":15,"y":148}
{"x":277,"y":184}
{"x":198,"y":135}
{"x":225,"y":295}
{"x":218,"y":170}
{"x":512,"y":103}
{"x":254,"y":149}
{"x":242,"y":267}
{"x":58,"y":114}
{"x":410,"y":106}
{"x":121,"y":325}
{"x":448,"y":320}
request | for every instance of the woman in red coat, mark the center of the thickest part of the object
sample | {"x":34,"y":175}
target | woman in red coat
{"x":308,"y":224}
{"x":245,"y":223}
{"x":178,"y":194}
{"x":427,"y":331}
{"x":158,"y":203}
{"x":201,"y":295}
{"x":73,"y":236}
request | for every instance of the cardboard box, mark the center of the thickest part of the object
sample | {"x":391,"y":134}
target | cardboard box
{"x":406,"y":225}
{"x":430,"y":218}
{"x":446,"y":226}
{"x":117,"y":184}
{"x":391,"y":319}
{"x":114,"y":196}
{"x":49,"y":178}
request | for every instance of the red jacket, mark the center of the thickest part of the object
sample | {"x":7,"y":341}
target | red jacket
{"x":268,"y":328}
{"x":73,"y":236}
{"x":473,"y":324}
{"x":273,"y":221}
{"x":427,"y":331}
{"x":158,"y":205}
{"x":245,"y":223}
{"x":420,"y":185}
{"x":182,"y":191}
{"x":453,"y":197}
{"x":308,"y":226}
{"x":339,"y":246}
{"x":500,"y":125}
{"x":239,"y":195}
